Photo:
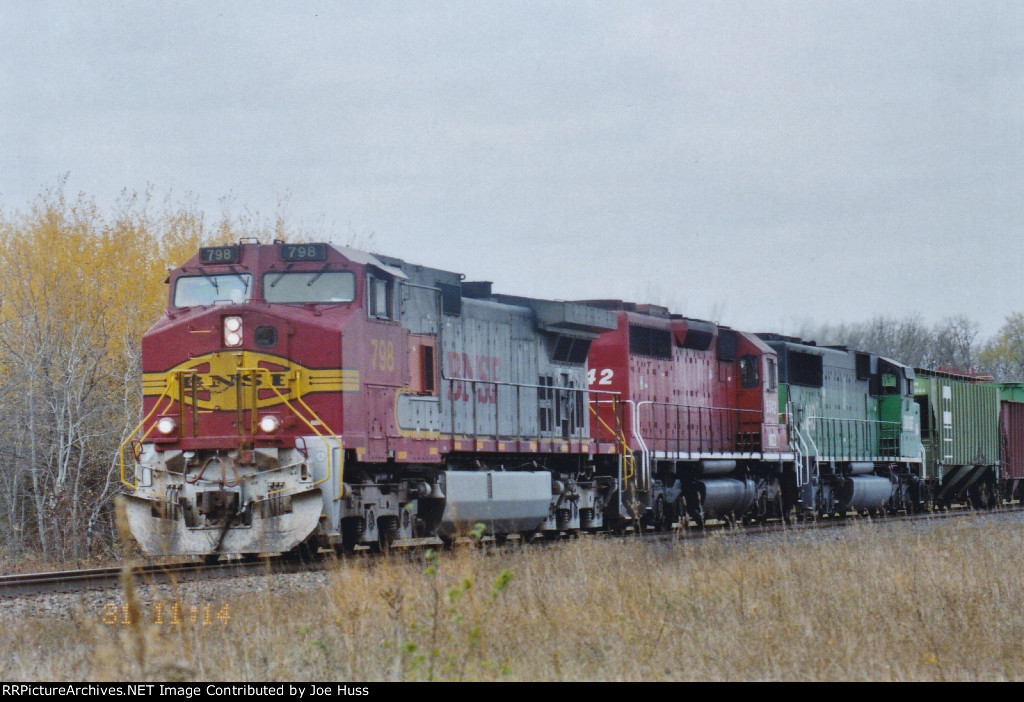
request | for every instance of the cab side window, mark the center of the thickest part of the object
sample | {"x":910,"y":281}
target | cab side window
{"x":380,"y":298}
{"x":749,"y":373}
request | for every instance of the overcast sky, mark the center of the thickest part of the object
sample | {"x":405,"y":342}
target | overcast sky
{"x":759,"y":163}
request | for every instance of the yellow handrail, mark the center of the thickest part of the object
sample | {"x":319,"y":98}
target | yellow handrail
{"x":315,"y":417}
{"x":171,"y":376}
{"x":628,"y":462}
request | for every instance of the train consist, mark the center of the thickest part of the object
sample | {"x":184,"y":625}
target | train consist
{"x":307,"y":395}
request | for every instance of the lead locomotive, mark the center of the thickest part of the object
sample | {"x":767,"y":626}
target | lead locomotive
{"x":307,"y":392}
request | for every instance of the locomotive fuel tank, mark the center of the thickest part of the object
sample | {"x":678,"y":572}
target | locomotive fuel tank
{"x":864,"y":492}
{"x":505,"y":502}
{"x":724,"y":496}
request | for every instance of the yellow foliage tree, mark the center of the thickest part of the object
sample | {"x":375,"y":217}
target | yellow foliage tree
{"x":79,"y":290}
{"x":80,"y":286}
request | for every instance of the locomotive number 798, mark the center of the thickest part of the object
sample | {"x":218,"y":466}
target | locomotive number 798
{"x":382,"y":357}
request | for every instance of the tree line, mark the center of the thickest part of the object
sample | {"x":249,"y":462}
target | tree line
{"x":954,"y":344}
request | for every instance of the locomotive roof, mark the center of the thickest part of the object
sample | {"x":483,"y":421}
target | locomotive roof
{"x":644,"y":308}
{"x":367,"y":259}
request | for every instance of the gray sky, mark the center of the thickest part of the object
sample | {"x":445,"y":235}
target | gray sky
{"x":761,"y":163}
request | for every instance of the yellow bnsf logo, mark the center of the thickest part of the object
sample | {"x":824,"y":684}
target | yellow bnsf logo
{"x":219,"y":381}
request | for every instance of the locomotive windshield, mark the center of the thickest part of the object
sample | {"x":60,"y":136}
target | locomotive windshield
{"x":310,"y":286}
{"x":199,"y":290}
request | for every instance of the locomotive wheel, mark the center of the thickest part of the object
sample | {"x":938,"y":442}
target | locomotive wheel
{"x":697,"y":513}
{"x":658,"y":515}
{"x":678,"y":512}
{"x":765,"y":506}
{"x":387,"y":531}
{"x":352,"y":530}
{"x":306,"y":552}
{"x":691,"y":507}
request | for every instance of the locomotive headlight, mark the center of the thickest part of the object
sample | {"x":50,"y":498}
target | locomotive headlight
{"x":166,"y":425}
{"x":269,"y":424}
{"x":232,"y":331}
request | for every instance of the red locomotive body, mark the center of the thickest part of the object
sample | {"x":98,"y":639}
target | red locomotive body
{"x":702,"y":401}
{"x":697,"y":389}
{"x":221,"y":387}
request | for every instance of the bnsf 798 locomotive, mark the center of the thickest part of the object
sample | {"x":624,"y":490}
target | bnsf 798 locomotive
{"x":306,"y":394}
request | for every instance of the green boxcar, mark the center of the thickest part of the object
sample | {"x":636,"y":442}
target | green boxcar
{"x":960,"y":434}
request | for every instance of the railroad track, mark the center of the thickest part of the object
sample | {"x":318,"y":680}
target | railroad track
{"x":719,"y":527}
{"x":23,"y":584}
{"x":147,"y":574}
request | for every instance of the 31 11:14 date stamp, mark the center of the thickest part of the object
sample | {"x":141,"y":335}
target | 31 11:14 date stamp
{"x":168,"y":614}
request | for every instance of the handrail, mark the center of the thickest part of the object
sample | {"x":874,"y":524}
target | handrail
{"x":701,"y":428}
{"x":316,"y":417}
{"x":172,"y":377}
{"x":802,"y":451}
{"x":645,"y":452}
{"x":583,"y":393}
{"x":853,"y":419}
{"x":850,"y":438}
{"x":628,"y":463}
{"x":509,"y":383}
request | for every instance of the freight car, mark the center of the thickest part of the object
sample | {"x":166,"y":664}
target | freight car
{"x":307,"y":395}
{"x":1011,"y":439}
{"x":960,"y":434}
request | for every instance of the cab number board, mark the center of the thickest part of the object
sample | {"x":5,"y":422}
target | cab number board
{"x":303,"y":252}
{"x":218,"y":254}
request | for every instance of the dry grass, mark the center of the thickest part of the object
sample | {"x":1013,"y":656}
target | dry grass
{"x":943,"y":601}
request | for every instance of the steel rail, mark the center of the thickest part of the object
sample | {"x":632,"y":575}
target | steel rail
{"x":27,"y":584}
{"x":19,"y":584}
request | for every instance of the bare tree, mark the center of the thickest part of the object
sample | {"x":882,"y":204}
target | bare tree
{"x":955,"y":344}
{"x":1003,"y":356}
